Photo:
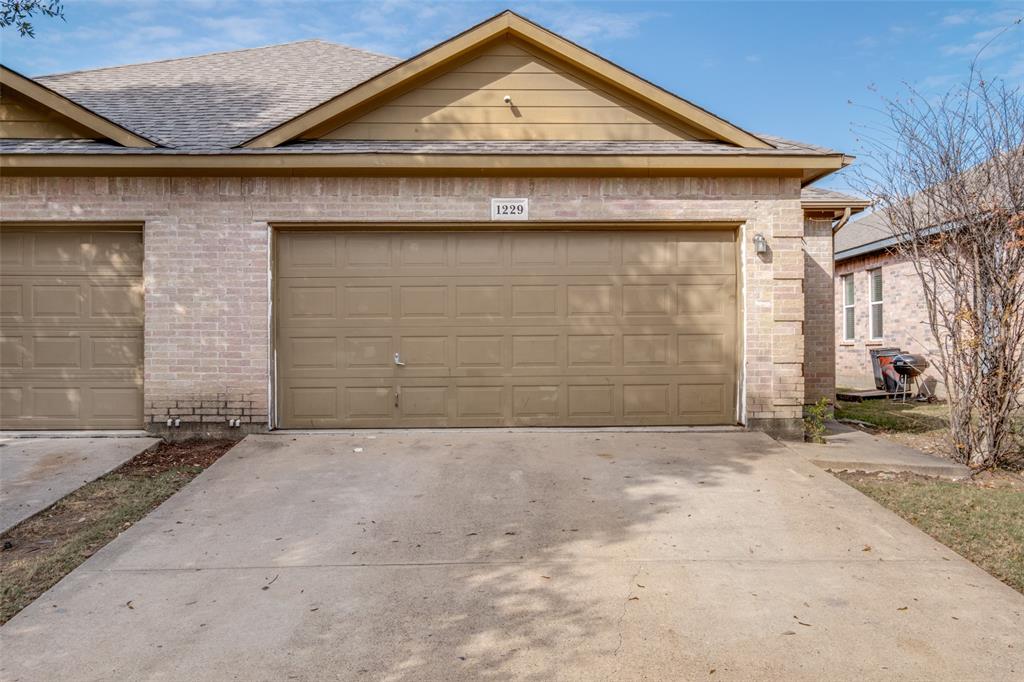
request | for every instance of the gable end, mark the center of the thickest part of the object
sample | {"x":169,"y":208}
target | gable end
{"x":440,"y":61}
{"x":548,"y":100}
{"x":31,"y":111}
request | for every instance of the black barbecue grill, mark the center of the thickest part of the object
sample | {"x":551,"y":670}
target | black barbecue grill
{"x":909,"y":365}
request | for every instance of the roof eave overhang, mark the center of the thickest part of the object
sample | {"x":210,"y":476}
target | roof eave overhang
{"x":417,"y":164}
{"x":394,"y":80}
{"x":835,"y":209}
{"x":865,"y":250}
{"x":102,"y":127}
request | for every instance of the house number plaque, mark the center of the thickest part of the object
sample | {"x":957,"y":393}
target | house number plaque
{"x":510,"y":209}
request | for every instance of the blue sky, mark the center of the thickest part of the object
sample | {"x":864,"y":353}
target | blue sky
{"x":804,"y":70}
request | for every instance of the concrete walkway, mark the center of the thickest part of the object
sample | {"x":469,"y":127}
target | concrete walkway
{"x":36,"y":472}
{"x":850,"y":449}
{"x":548,"y":556}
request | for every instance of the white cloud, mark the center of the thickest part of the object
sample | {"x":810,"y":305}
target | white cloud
{"x":237,"y":29}
{"x":581,"y":23}
{"x":989,"y":43}
{"x":958,"y":18}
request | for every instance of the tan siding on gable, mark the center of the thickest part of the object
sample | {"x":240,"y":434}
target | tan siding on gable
{"x":549,"y":102}
{"x":21,"y":118}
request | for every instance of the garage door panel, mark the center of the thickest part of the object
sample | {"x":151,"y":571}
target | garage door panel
{"x":423,"y":401}
{"x":483,"y":302}
{"x":367,"y":302}
{"x":71,"y":301}
{"x":416,"y":301}
{"x":465,"y":254}
{"x":501,"y":350}
{"x":591,"y":401}
{"x":538,"y":328}
{"x":71,"y":351}
{"x":99,"y":253}
{"x":479,"y":401}
{"x":97,"y":351}
{"x":514,"y":300}
{"x":70,"y":403}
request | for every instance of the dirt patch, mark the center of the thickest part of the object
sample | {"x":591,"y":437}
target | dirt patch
{"x":997,"y":478}
{"x":169,"y":456}
{"x":44,"y":548}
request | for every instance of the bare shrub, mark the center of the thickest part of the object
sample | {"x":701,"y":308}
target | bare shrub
{"x":948,"y":175}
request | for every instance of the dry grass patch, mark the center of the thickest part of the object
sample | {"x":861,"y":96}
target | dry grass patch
{"x":982,"y":519}
{"x":42,"y":549}
{"x":923,"y":426}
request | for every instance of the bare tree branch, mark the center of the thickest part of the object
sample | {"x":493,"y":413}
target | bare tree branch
{"x":948,"y":177}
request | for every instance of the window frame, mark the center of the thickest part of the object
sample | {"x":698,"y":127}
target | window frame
{"x":876,"y":334}
{"x":849,"y":304}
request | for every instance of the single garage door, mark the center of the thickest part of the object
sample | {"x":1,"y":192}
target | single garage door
{"x":492,"y":328}
{"x":71,"y":316}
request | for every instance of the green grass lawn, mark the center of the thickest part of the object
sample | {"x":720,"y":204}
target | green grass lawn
{"x":909,"y":417}
{"x":982,"y":521}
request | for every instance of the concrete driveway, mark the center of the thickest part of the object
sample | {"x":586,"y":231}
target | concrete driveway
{"x":499,"y":555}
{"x":36,"y":472}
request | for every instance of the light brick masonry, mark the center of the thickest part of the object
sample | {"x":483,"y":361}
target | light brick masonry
{"x":207,"y":267}
{"x":904,"y":319}
{"x":819,"y":321}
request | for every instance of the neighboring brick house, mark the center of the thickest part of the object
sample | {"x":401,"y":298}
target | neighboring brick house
{"x":504,"y":230}
{"x":878,"y":302}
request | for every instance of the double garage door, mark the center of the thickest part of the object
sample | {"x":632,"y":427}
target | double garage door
{"x":491,"y":328}
{"x":70,"y":329}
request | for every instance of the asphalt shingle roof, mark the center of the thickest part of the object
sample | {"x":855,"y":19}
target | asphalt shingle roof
{"x":220,"y":100}
{"x":857,"y":233}
{"x":822,"y":195}
{"x":212,"y":103}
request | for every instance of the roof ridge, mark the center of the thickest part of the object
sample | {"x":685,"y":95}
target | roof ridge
{"x":210,"y":54}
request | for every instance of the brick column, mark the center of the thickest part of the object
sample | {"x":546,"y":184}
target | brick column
{"x":819,"y":316}
{"x":788,"y":321}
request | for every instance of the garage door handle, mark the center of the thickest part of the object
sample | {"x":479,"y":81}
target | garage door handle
{"x":398,"y":360}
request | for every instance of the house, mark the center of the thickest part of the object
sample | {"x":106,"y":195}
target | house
{"x":879,"y":303}
{"x":506,"y":229}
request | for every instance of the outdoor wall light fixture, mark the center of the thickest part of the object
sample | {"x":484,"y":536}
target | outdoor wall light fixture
{"x":760,"y":244}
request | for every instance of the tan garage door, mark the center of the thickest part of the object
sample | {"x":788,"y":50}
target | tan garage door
{"x":506,"y":328}
{"x":71,"y":322}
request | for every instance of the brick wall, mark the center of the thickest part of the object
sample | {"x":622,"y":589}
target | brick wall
{"x":904,"y":318}
{"x":207,"y":252}
{"x":819,"y":322}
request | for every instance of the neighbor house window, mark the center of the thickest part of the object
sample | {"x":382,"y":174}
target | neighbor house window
{"x":875,"y":286}
{"x":849,"y":317}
